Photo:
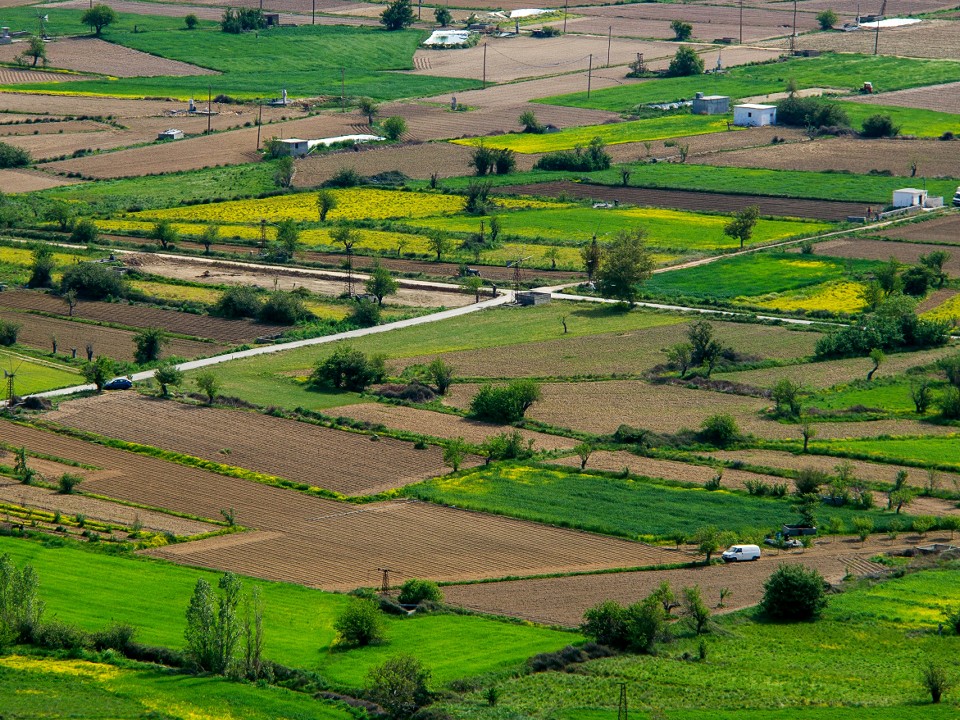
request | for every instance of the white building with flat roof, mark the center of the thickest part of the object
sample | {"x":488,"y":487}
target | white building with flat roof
{"x":753,"y":115}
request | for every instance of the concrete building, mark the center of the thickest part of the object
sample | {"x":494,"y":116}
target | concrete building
{"x":752,"y":115}
{"x":294,"y":147}
{"x":908,"y":197}
{"x":171,"y":134}
{"x":710,"y":104}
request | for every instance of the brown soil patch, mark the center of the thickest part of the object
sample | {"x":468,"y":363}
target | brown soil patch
{"x":691,"y":200}
{"x":414,"y":160}
{"x":562,"y":601}
{"x":95,"y":509}
{"x":345,"y":462}
{"x":51,"y":127}
{"x":944,"y":229}
{"x":933,"y":157}
{"x":37,"y":332}
{"x":936,"y":299}
{"x":666,"y":469}
{"x":15,"y":76}
{"x":834,"y":372}
{"x":90,"y":55}
{"x":627,"y":353}
{"x":906,"y":252}
{"x":929,"y":39}
{"x":703,"y":145}
{"x":24,"y":180}
{"x":446,"y":426}
{"x":873,"y":472}
{"x":141,"y":316}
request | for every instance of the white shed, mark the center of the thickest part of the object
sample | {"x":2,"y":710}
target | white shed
{"x":908,"y":197}
{"x":752,"y":115}
{"x":171,"y":134}
{"x":294,"y":147}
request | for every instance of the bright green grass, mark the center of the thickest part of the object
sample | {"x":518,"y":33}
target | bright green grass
{"x":935,"y":451}
{"x":33,"y":376}
{"x":66,"y":21}
{"x":92,"y":589}
{"x":660,"y":128}
{"x":912,"y":121}
{"x":861,"y":661}
{"x":666,"y":229}
{"x":270,"y":379}
{"x":891,"y":395}
{"x":841,"y":71}
{"x":616,"y":506}
{"x":38,"y":688}
{"x":255,"y":65}
{"x":754,"y":274}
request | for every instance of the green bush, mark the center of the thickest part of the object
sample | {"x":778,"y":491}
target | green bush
{"x":12,"y":156}
{"x":636,"y":628}
{"x":682,"y":31}
{"x":84,"y":231}
{"x":399,"y":686}
{"x":685,"y":62}
{"x":950,"y":403}
{"x":594,"y":157}
{"x":811,"y":112}
{"x":414,"y":592}
{"x":240,"y":301}
{"x":366,"y":313}
{"x":720,"y":430}
{"x":505,"y":404}
{"x":191,"y":21}
{"x":41,"y":271}
{"x":118,"y":636}
{"x":878,"y":126}
{"x":348,"y":369}
{"x":360,"y":624}
{"x":827,"y":19}
{"x":148,"y":343}
{"x":793,"y":593}
{"x":67,"y":483}
{"x":283,"y":308}
{"x":393,"y":128}
{"x":93,"y":281}
{"x":8,"y":332}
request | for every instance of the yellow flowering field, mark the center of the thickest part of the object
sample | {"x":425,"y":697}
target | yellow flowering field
{"x":24,"y":256}
{"x":949,"y":310}
{"x":839,"y":296}
{"x":165,"y":291}
{"x":75,"y":668}
{"x":352,"y":204}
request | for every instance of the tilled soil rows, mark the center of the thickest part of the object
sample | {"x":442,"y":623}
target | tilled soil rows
{"x":24,"y":180}
{"x":906,"y":252}
{"x":346,"y":462}
{"x":446,"y":426}
{"x":342,"y":551}
{"x":38,"y":331}
{"x":562,"y":601}
{"x":944,"y":230}
{"x":692,"y":200}
{"x":929,"y":39}
{"x":203,"y":326}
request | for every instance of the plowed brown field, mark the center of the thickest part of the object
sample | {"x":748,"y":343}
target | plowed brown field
{"x":945,"y":230}
{"x":140,"y":316}
{"x":341,"y":551}
{"x":691,"y":200}
{"x":445,"y":426}
{"x":21,"y":180}
{"x":345,"y":462}
{"x":929,"y":39}
{"x":38,"y":331}
{"x":562,"y":601}
{"x":906,"y":252}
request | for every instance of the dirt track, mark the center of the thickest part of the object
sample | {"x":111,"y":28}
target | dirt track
{"x":691,"y":200}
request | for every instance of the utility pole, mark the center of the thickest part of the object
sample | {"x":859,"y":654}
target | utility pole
{"x":622,"y":707}
{"x":876,"y":40}
{"x":609,"y":40}
{"x":741,"y":22}
{"x":209,"y":97}
{"x":259,"y":121}
{"x":385,"y":585}
{"x":589,"y":75}
{"x":566,"y":3}
{"x":793,"y":37}
{"x":484,"y":86}
{"x":313,"y":13}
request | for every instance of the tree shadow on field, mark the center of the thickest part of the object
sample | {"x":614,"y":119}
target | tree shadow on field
{"x":602,"y":311}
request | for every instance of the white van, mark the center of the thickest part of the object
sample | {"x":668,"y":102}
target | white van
{"x":740,"y":553}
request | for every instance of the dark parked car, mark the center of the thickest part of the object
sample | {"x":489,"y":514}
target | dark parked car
{"x":118,"y":383}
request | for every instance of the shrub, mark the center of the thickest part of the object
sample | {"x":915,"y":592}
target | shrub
{"x":399,"y":686}
{"x":443,"y":16}
{"x":827,"y":19}
{"x":812,"y":112}
{"x":240,"y":301}
{"x":393,"y":128}
{"x":41,"y":271}
{"x":506,"y":446}
{"x":84,"y":231}
{"x":414,"y":592}
{"x":786,"y":395}
{"x":505,"y":404}
{"x":681,"y":30}
{"x":685,"y":62}
{"x":360,"y":624}
{"x":93,"y":281}
{"x":397,"y":15}
{"x":344,"y":178}
{"x":950,"y":403}
{"x":242,"y":20}
{"x":348,"y":369}
{"x":12,"y":156}
{"x":118,"y":636}
{"x":56,"y":635}
{"x":283,"y":308}
{"x":8,"y":332}
{"x":67,"y":483}
{"x":720,"y":430}
{"x":529,"y":123}
{"x":191,"y":21}
{"x":594,"y":157}
{"x":606,"y":624}
{"x":366,"y":313}
{"x":879,"y":125}
{"x":808,"y":481}
{"x":917,"y":280}
{"x":148,"y":344}
{"x":793,"y":593}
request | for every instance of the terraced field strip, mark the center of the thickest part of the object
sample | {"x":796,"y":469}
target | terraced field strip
{"x":38,"y":331}
{"x":345,"y":462}
{"x":692,"y":200}
{"x":905,"y":252}
{"x":667,"y":469}
{"x":341,"y":551}
{"x":446,"y":426}
{"x":873,"y":472}
{"x":562,"y":601}
{"x":141,"y":316}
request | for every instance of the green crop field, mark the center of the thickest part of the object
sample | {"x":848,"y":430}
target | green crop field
{"x":750,"y":275}
{"x":634,"y":508}
{"x":861,"y":661}
{"x":66,"y":21}
{"x":890,"y":395}
{"x":34,"y":375}
{"x":660,"y":128}
{"x":839,"y":71}
{"x":669,"y":230}
{"x":940,"y":451}
{"x":91,"y":589}
{"x":49,"y":688}
{"x":313,"y":70}
{"x":911,"y":121}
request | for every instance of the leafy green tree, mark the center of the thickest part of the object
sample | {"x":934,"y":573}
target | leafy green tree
{"x":442,"y":15}
{"x":679,"y":356}
{"x":85,"y":231}
{"x":934,"y":262}
{"x":41,"y":270}
{"x":685,"y":62}
{"x":888,"y":276}
{"x":98,"y":17}
{"x":397,"y":15}
{"x":20,"y":606}
{"x":93,"y":281}
{"x":505,"y":404}
{"x":239,"y":301}
{"x":209,"y":236}
{"x":167,"y":376}
{"x":380,"y":283}
{"x":399,"y":686}
{"x":583,"y":450}
{"x":454,"y":452}
{"x":922,"y":395}
{"x":473,"y":284}
{"x":99,"y":371}
{"x":348,"y":369}
{"x":786,"y":395}
{"x":682,"y":31}
{"x":414,"y":592}
{"x":369,"y":107}
{"x":209,"y":384}
{"x":624,"y":265}
{"x":191,"y":21}
{"x":528,"y":121}
{"x":8,"y":332}
{"x":148,"y":342}
{"x":741,"y":227}
{"x":794,"y":593}
{"x":360,"y":624}
{"x":214,"y":626}
{"x":439,"y":243}
{"x":936,"y":680}
{"x":61,"y":213}
{"x":707,"y":540}
{"x":878,"y":126}
{"x":591,"y":255}
{"x":36,"y":49}
{"x":695,"y":610}
{"x":441,"y":374}
{"x":393,"y":128}
{"x":288,"y":235}
{"x":877,"y":356}
{"x":827,"y":19}
{"x":326,"y":201}
{"x":164,"y":233}
{"x":720,"y":430}
{"x":284,"y":308}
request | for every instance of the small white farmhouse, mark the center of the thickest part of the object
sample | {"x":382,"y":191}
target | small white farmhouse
{"x":171,"y":134}
{"x":294,"y":147}
{"x":908,"y":197}
{"x":751,"y":115}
